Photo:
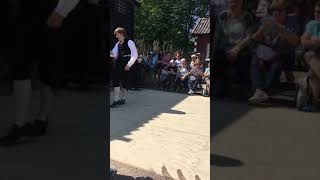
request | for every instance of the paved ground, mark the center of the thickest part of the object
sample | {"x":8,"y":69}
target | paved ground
{"x":163,"y":133}
{"x":278,"y":143}
{"x":75,"y":147}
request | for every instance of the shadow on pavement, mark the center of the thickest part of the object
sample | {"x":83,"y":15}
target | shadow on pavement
{"x":223,"y":161}
{"x":75,"y":147}
{"x":122,"y":177}
{"x":225,"y":112}
{"x":141,"y":107}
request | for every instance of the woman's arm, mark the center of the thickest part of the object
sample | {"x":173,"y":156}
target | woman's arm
{"x":64,"y":7}
{"x":307,"y":42}
{"x":291,"y":37}
{"x":134,"y":53}
{"x":115,"y":51}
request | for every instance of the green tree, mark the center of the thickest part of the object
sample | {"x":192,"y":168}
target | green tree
{"x":168,"y":22}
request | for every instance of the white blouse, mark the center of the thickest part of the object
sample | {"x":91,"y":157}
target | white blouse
{"x":133,"y":49}
{"x":64,"y":7}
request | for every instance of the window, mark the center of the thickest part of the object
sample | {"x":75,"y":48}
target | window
{"x":123,"y":7}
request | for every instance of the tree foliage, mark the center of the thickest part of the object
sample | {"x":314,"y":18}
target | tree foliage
{"x":168,"y":22}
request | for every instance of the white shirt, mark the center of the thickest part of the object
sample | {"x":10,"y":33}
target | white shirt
{"x":133,"y":49}
{"x":64,"y":7}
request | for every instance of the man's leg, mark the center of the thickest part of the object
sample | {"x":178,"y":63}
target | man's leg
{"x":20,"y":68}
{"x":22,"y":93}
{"x":116,"y":86}
{"x":125,"y":86}
{"x":273,"y":74}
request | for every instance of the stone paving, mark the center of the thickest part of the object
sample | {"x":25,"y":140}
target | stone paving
{"x":163,"y":132}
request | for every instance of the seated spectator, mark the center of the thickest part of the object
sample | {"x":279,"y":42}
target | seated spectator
{"x":195,"y":78}
{"x":193,"y":60}
{"x":276,"y":43}
{"x":233,"y":53}
{"x":146,"y":64}
{"x":262,"y":8}
{"x":206,"y":77}
{"x":153,"y":64}
{"x":166,"y":58}
{"x":182,"y":71}
{"x":309,"y":87}
{"x":167,"y":76}
{"x":177,"y":58}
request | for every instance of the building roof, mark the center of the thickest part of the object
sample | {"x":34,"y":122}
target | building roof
{"x":202,"y":27}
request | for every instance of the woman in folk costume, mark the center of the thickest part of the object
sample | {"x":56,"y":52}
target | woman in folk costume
{"x":125,"y":54}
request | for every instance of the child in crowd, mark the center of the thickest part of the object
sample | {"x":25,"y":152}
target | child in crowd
{"x":167,"y":75}
{"x":182,"y":71}
{"x":195,"y":77}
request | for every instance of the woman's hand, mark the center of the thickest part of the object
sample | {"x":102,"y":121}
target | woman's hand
{"x":281,"y":29}
{"x":127,"y":68}
{"x":55,"y":20}
{"x":315,"y":39}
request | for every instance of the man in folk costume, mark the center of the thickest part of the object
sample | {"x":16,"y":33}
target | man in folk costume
{"x":35,"y":40}
{"x":125,"y":54}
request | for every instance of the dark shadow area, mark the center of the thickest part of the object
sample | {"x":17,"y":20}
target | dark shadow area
{"x":223,"y":161}
{"x":122,"y":177}
{"x":225,"y":112}
{"x":141,"y":107}
{"x":76,"y":146}
{"x":171,"y":111}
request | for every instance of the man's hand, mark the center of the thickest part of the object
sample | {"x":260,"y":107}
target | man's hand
{"x":55,"y":20}
{"x":315,"y":39}
{"x":127,"y":68}
{"x":233,"y":54}
{"x":281,"y":29}
{"x":112,"y":55}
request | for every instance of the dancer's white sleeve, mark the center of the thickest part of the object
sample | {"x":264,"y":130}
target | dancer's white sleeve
{"x":134,"y":53}
{"x":115,"y":51}
{"x":64,"y":7}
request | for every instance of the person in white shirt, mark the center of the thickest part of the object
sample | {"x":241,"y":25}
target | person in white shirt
{"x":124,"y":55}
{"x":36,"y":37}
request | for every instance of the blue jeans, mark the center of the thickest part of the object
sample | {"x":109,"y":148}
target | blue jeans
{"x":265,"y":78}
{"x":192,"y":85}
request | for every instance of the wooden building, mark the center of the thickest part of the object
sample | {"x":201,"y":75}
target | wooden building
{"x":122,"y":15}
{"x":201,"y":33}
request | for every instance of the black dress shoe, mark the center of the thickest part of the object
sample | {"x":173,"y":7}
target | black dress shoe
{"x":122,"y":102}
{"x":115,"y":104}
{"x":16,"y":134}
{"x":39,"y":127}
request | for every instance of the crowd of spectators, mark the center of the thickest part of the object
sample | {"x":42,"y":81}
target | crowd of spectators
{"x":253,"y":49}
{"x":173,"y":72}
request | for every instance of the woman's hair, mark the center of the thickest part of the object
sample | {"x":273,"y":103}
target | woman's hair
{"x":278,"y":4}
{"x":177,"y":52}
{"x":121,"y":30}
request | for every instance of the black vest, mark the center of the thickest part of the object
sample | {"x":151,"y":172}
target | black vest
{"x":124,"y":52}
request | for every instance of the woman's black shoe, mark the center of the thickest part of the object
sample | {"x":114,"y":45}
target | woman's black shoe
{"x":39,"y":127}
{"x":122,"y":102}
{"x":15,"y":134}
{"x":115,"y":104}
